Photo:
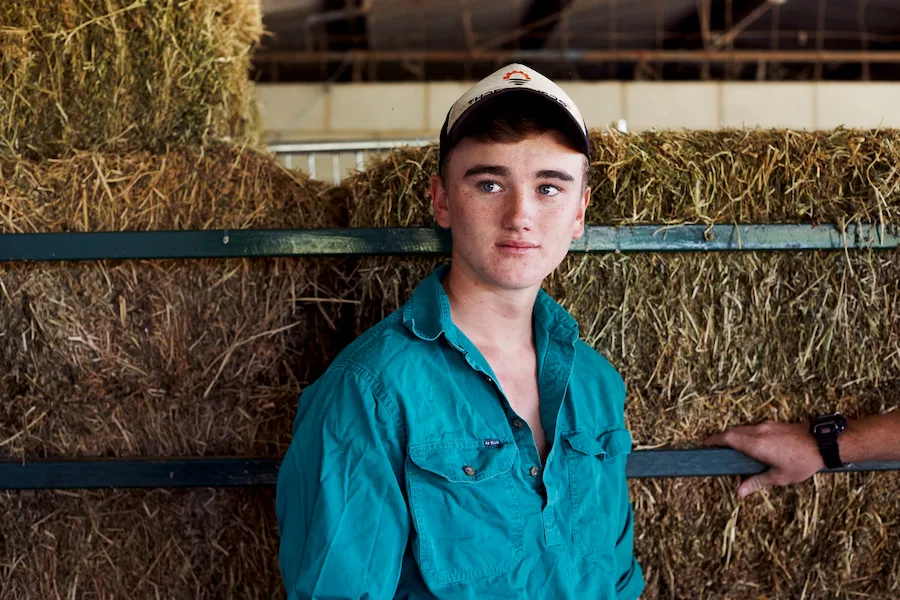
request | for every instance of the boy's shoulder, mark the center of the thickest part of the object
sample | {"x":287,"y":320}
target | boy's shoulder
{"x":377,"y":347}
{"x":588,"y":358}
{"x":598,"y":382}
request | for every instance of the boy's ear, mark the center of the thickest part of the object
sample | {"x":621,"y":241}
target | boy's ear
{"x":579,"y":216}
{"x":440,"y":201}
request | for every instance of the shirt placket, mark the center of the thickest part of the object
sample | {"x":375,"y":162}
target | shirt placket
{"x":520,"y":430}
{"x":553,"y":382}
{"x":553,"y":376}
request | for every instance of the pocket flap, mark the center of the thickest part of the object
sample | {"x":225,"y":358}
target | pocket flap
{"x":606,"y":445}
{"x":464,"y":462}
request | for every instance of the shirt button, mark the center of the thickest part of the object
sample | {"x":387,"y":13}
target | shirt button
{"x":468,"y":470}
{"x":517,"y":423}
{"x":534,"y":471}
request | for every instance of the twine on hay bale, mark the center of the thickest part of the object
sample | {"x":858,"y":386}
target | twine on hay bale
{"x":112,"y":75}
{"x":706,"y":341}
{"x":152,"y":358}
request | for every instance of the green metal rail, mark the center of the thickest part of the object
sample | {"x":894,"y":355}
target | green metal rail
{"x":246,"y":471}
{"x":252,"y":471}
{"x":244,"y":243}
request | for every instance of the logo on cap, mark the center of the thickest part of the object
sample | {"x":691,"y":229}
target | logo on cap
{"x":517,"y":77}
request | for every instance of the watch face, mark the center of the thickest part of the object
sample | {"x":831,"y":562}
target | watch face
{"x":824,"y":428}
{"x":830,"y":425}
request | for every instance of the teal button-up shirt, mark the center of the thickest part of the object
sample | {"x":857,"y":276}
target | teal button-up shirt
{"x":410,"y":476}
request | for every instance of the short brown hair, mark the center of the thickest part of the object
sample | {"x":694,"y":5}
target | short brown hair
{"x":513,"y":124}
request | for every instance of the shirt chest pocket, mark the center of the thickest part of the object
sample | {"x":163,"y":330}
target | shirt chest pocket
{"x":465,"y":509}
{"x":598,"y":487}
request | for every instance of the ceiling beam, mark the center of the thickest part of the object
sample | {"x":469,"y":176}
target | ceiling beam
{"x":584,"y":56}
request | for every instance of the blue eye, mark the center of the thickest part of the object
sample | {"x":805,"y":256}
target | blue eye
{"x":548,"y":190}
{"x":490,"y":187}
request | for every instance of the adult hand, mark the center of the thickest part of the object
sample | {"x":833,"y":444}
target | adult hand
{"x":788,"y":448}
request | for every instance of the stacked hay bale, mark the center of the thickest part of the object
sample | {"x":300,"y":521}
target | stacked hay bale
{"x":156,"y":358}
{"x":118,"y":76}
{"x":115,"y":116}
{"x":136,"y":116}
{"x":707,"y":341}
{"x":161,"y":358}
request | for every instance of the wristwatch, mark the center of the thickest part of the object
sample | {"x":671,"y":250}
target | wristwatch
{"x":827,"y":429}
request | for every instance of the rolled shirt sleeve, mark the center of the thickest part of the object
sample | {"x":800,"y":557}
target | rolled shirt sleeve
{"x":342,"y":516}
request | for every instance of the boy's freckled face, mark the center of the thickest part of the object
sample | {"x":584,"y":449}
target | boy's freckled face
{"x":513,"y":208}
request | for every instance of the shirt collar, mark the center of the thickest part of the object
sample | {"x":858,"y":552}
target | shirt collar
{"x":549,"y":315}
{"x":427,"y":314}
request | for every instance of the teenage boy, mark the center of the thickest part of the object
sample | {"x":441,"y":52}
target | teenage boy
{"x":470,"y":445}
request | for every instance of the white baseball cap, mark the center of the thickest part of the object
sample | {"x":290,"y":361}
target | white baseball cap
{"x":509,"y":84}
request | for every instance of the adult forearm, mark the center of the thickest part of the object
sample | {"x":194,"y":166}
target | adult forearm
{"x":792,"y":454}
{"x":872,"y":438}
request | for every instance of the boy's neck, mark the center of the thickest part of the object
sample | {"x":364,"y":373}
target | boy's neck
{"x":496,"y":321}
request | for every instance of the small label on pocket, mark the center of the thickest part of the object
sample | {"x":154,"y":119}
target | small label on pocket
{"x":492,"y":443}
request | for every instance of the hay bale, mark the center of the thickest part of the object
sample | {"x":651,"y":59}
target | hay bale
{"x":710,"y":341}
{"x":706,"y":341}
{"x":732,"y":176}
{"x":111,"y":358}
{"x":746,"y":176}
{"x":111,"y":75}
{"x":139,"y":544}
{"x":393,"y":191}
{"x":195,"y":187}
{"x":684,"y":325}
{"x":831,"y":537}
{"x":149,"y":358}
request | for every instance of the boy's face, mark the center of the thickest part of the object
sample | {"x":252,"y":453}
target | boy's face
{"x":513,"y":209}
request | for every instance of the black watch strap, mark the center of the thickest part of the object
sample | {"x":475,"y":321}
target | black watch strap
{"x":831,"y":453}
{"x":826,"y":430}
